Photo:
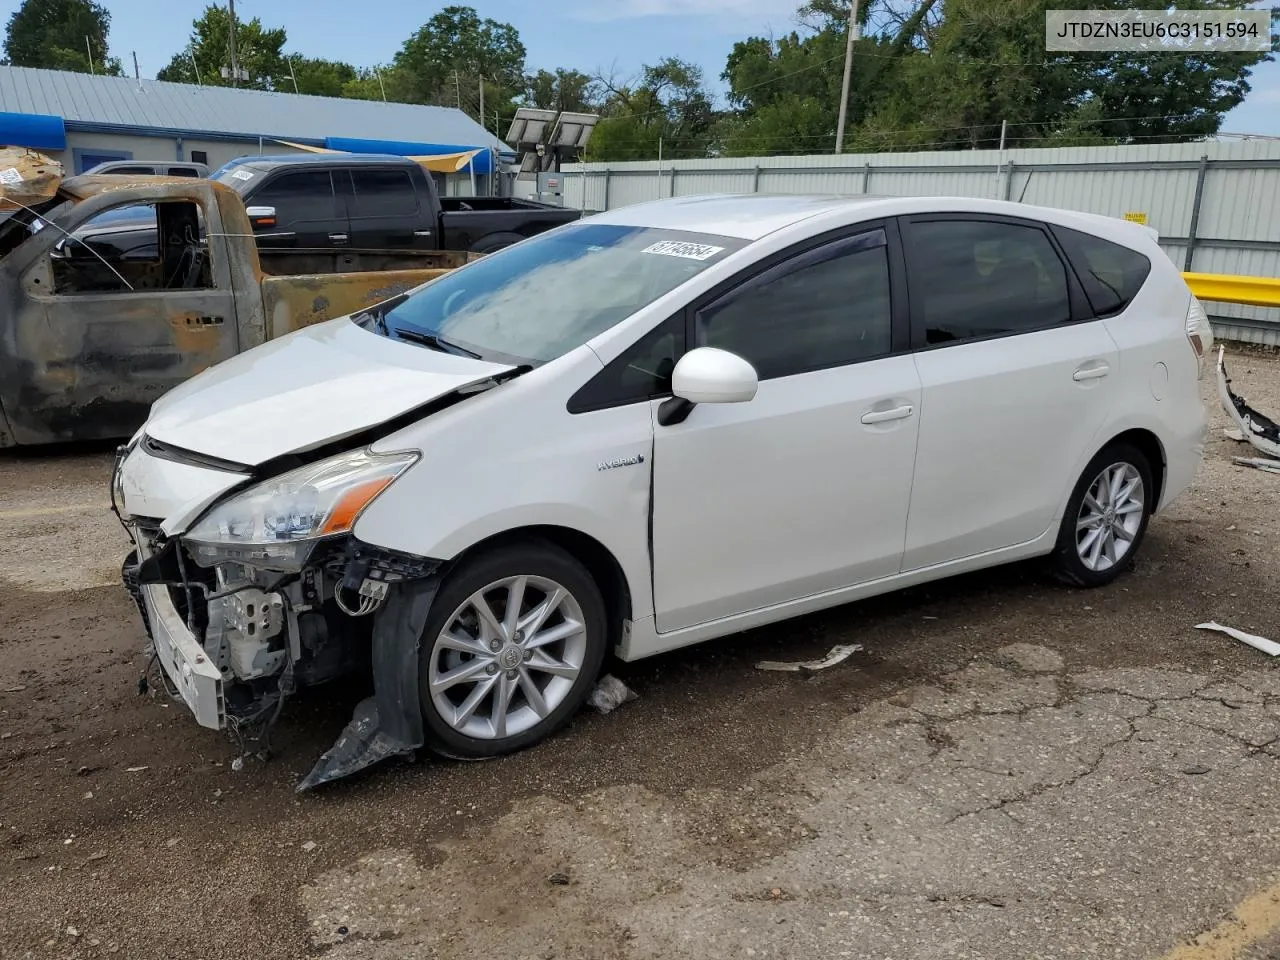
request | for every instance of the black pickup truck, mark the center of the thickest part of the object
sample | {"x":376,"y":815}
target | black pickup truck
{"x":365,"y":208}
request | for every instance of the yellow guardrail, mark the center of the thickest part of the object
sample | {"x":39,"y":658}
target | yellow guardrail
{"x":1223,"y":288}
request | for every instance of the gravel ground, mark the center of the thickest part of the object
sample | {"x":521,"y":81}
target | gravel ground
{"x":1011,"y":769}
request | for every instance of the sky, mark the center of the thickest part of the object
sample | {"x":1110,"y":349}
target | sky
{"x":613,"y":37}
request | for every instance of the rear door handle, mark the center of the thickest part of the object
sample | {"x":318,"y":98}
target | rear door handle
{"x":422,"y":233}
{"x":882,"y":416}
{"x":338,"y":237}
{"x":1092,"y":371}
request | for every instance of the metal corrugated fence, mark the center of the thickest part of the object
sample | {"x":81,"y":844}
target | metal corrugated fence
{"x":1215,"y":205}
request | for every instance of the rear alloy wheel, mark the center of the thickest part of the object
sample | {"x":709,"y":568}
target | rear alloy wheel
{"x":1106,"y":518}
{"x":510,"y":652}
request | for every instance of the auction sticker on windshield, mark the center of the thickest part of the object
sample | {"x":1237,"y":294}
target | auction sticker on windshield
{"x":242,"y":174}
{"x":681,"y":248}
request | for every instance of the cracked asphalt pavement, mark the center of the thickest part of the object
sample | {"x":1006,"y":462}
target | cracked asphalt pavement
{"x":1011,"y":769}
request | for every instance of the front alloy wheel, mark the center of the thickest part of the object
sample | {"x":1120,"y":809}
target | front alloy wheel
{"x":512,"y":652}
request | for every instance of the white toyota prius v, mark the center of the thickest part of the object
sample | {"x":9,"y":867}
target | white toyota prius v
{"x":663,"y":424}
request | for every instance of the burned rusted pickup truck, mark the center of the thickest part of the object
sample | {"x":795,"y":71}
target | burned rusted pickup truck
{"x":92,"y":331}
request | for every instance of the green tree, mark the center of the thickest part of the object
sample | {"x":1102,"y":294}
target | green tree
{"x":60,"y":35}
{"x":321,"y":78}
{"x":259,"y":51}
{"x":563,"y":90}
{"x":370,"y":83}
{"x":445,"y":61}
{"x":670,"y":103}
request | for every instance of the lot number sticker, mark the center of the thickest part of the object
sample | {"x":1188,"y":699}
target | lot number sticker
{"x":242,"y":174}
{"x":679,"y":248}
{"x":10,"y":177}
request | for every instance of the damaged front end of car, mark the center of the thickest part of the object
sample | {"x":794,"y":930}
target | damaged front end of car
{"x":267,"y":590}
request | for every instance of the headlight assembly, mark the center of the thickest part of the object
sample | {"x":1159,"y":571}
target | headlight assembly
{"x":275,"y":524}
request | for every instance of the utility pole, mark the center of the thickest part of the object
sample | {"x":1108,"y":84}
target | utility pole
{"x":293,"y":76}
{"x":378,"y":73}
{"x":136,"y":75}
{"x":457,"y":87}
{"x":235,"y":66}
{"x":89,"y":50}
{"x":848,"y":70}
{"x":194,"y":66}
{"x":482,"y":101}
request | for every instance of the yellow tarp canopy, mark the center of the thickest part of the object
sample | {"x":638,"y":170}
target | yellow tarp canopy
{"x":438,"y":163}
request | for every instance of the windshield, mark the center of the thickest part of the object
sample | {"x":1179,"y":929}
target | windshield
{"x":236,"y":174}
{"x":542,"y":297}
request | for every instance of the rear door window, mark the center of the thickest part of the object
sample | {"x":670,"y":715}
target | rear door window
{"x":1111,"y":274}
{"x":383,"y":193}
{"x":974,"y":279}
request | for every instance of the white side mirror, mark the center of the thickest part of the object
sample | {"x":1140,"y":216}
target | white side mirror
{"x":711,"y":375}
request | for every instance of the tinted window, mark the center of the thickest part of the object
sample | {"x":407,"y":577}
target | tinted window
{"x":305,"y":195}
{"x":821,"y":308}
{"x":183,"y":172}
{"x":146,"y":171}
{"x":383,"y":193}
{"x":1111,"y":274}
{"x":544,"y":296}
{"x":639,"y":373}
{"x":973,"y":279}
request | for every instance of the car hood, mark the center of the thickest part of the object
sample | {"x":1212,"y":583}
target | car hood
{"x":309,"y":388}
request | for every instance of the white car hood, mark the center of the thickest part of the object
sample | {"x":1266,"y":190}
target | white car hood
{"x":306,"y":389}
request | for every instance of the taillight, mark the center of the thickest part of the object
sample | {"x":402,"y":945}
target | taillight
{"x":1199,"y":333}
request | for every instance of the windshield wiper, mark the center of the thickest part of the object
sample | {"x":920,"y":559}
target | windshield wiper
{"x":433,"y":341}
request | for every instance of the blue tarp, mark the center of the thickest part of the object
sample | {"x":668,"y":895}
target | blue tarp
{"x":482,"y":163}
{"x":34,"y":130}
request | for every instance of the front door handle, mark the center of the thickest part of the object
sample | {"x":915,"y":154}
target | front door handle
{"x":338,"y":237}
{"x":882,"y":416}
{"x":1091,"y":371}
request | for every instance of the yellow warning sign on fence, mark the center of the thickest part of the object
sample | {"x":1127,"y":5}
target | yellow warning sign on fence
{"x":1136,"y":216}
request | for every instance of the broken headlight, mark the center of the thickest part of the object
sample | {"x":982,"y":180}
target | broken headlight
{"x":276,"y":523}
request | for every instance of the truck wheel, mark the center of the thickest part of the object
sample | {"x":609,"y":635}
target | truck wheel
{"x":495,"y":241}
{"x":510,"y":651}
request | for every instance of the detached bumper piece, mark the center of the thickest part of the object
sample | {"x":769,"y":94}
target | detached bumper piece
{"x":1261,"y":431}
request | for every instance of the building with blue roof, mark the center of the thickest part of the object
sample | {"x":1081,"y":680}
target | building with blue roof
{"x":82,"y":120}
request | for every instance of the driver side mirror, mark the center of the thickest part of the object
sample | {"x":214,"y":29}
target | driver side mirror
{"x":708,"y":375}
{"x":261,"y":217}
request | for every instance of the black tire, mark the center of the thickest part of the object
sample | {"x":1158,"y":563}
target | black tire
{"x":1067,"y":564}
{"x":534,"y":558}
{"x":494,"y":242}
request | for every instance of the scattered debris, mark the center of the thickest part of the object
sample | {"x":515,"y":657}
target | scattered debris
{"x":309,"y":846}
{"x":1269,"y":647}
{"x":97,"y":856}
{"x":171,"y":842}
{"x":86,"y":770}
{"x":343,"y":931}
{"x":610,"y":693}
{"x":1232,"y":433}
{"x":67,"y":842}
{"x":237,"y":764}
{"x":72,"y":932}
{"x":1258,"y":463}
{"x":17,"y":689}
{"x":135,"y":769}
{"x":559,"y":879}
{"x":1196,"y":769}
{"x":5,"y":736}
{"x":88,"y":795}
{"x":837,"y":654}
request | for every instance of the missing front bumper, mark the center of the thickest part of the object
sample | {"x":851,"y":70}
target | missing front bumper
{"x":1261,"y":431}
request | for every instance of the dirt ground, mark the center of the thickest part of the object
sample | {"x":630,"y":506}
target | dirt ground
{"x":1011,"y":769}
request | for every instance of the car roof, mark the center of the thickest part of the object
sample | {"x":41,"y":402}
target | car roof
{"x":316,"y":159}
{"x":753,"y":216}
{"x":745,"y":216}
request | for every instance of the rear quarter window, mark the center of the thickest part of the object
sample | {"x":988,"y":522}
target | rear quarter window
{"x":1111,"y":274}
